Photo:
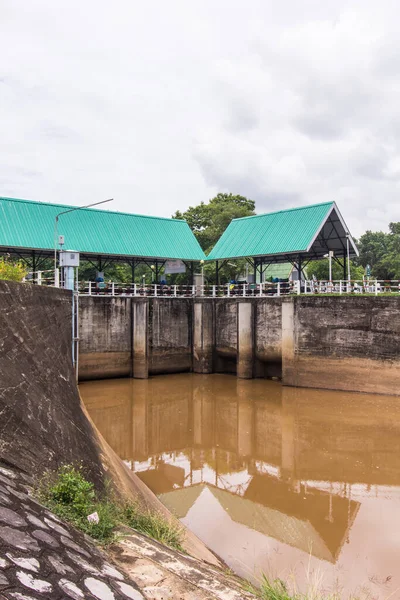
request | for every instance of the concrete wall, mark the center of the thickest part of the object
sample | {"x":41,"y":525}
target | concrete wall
{"x":170,"y":335}
{"x":42,"y":425}
{"x":123,"y":337}
{"x":105,"y":337}
{"x":349,"y":343}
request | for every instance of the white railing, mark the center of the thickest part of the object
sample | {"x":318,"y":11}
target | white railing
{"x":227,"y":290}
{"x":112,"y":288}
{"x":49,"y":278}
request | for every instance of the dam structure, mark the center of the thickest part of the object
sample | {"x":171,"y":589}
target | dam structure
{"x":344,"y":343}
{"x":337,"y":335}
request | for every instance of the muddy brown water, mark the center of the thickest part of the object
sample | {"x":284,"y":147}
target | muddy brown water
{"x":288,"y":482}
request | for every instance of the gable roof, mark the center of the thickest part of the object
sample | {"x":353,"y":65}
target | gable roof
{"x":25,"y":224}
{"x":285,"y":232}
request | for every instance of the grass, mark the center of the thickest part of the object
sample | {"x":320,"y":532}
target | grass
{"x":72,"y":497}
{"x":277,"y":589}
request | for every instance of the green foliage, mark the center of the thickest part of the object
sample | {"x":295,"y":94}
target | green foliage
{"x":72,"y":497}
{"x":13,"y":271}
{"x":277,"y":589}
{"x":382,"y":252}
{"x":154,"y":524}
{"x":320,"y":268}
{"x":209,"y":221}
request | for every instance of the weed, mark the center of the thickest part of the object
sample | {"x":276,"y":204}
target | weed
{"x":72,"y":497}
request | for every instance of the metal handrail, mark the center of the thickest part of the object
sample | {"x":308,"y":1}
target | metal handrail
{"x":228,"y":290}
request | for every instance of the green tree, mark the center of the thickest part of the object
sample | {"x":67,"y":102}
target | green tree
{"x":208,"y":221}
{"x":320,"y":268}
{"x":382,"y":252}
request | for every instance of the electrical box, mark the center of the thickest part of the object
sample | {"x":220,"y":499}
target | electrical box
{"x":61,"y":240}
{"x":69,"y":258}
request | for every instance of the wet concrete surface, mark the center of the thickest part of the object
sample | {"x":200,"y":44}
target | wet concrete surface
{"x":276,"y":480}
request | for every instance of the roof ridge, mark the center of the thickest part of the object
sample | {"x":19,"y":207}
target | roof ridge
{"x":285,"y":210}
{"x":115,"y":212}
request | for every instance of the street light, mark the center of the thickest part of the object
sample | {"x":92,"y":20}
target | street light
{"x":56,"y":226}
{"x":152,"y":273}
{"x":330,"y":256}
{"x":202,"y":272}
{"x":348,"y":257}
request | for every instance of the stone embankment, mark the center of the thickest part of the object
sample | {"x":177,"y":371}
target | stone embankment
{"x":42,"y":557}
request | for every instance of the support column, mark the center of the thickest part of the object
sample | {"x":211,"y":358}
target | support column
{"x":133,"y":271}
{"x":245,"y":354}
{"x":288,"y":343}
{"x":203,"y":336}
{"x":140,"y":343}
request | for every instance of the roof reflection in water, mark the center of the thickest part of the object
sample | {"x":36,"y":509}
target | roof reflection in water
{"x":280,"y":461}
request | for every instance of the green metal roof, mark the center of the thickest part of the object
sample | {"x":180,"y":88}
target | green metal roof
{"x":27,"y":224}
{"x":278,"y":271}
{"x":279,"y":232}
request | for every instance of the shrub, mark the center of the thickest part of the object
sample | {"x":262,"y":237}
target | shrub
{"x":14,"y":271}
{"x":72,"y":497}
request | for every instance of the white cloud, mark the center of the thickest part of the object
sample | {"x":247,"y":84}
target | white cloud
{"x":163,"y":104}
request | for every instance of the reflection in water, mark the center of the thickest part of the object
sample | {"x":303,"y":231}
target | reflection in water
{"x":266,"y":475}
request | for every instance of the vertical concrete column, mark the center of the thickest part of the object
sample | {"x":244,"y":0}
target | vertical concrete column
{"x":140,"y":342}
{"x":288,"y":342}
{"x":245,"y":353}
{"x":203,"y":336}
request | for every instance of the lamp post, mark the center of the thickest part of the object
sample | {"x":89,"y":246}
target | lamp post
{"x":56,"y":227}
{"x":348,"y":256}
{"x":330,"y":256}
{"x":152,"y":273}
{"x":202,"y":273}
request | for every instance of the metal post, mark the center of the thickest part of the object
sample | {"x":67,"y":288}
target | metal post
{"x":279,"y":288}
{"x":133,"y":271}
{"x":113,"y":289}
{"x":348,"y":258}
{"x":216,"y":273}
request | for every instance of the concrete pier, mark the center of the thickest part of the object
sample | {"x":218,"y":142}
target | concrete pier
{"x":245,"y":335}
{"x":140,"y":345}
{"x":203,"y":336}
{"x":288,"y":342}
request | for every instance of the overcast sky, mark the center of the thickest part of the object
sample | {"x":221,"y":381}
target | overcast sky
{"x":162,"y":104}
